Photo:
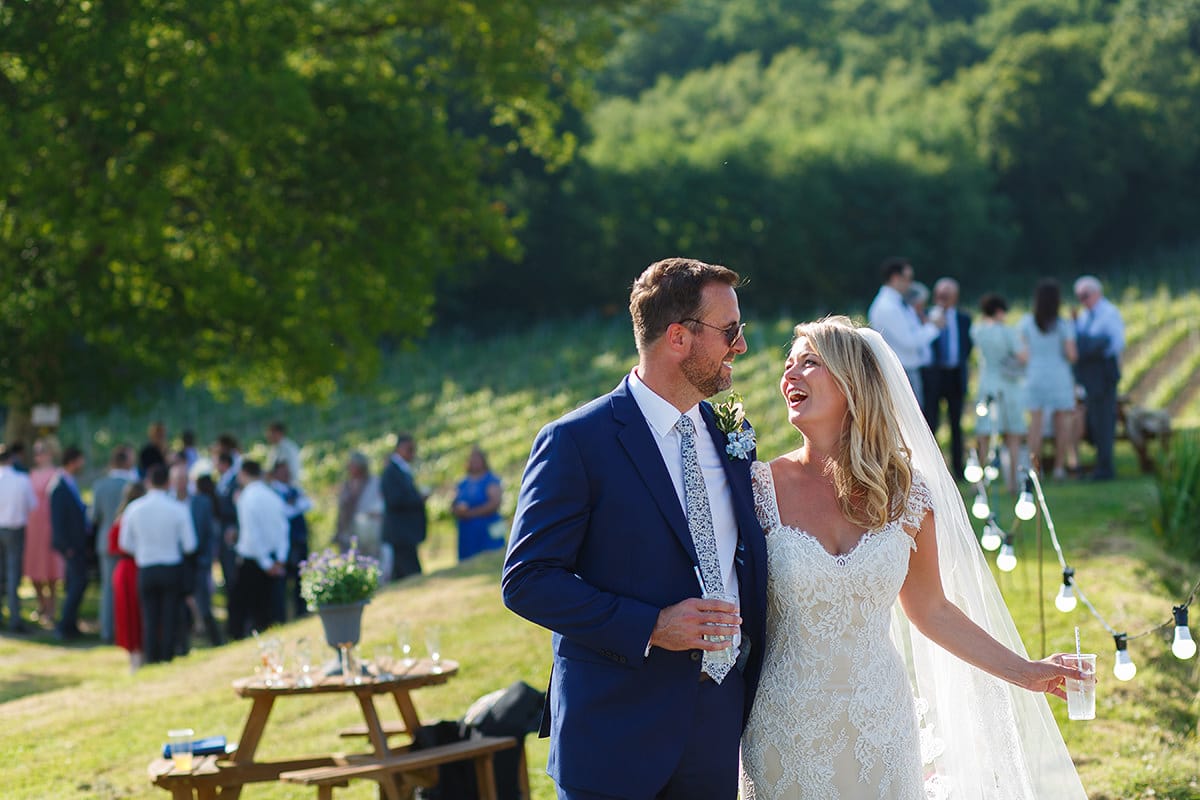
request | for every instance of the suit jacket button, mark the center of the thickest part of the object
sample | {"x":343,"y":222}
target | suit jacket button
{"x":697,"y":655}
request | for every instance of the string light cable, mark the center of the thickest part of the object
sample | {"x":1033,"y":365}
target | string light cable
{"x":1184,"y":647}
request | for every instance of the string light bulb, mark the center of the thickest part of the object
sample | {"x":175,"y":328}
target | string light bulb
{"x":1006,"y":561}
{"x":973,"y":472}
{"x":980,"y":508}
{"x":991,"y":538}
{"x":1183,"y":647}
{"x":1066,"y":600}
{"x":1026,"y":509}
{"x":981,"y":408}
{"x":1123,"y":667}
{"x":992,"y":471}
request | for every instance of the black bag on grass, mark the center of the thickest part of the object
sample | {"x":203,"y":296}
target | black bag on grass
{"x":514,"y":711}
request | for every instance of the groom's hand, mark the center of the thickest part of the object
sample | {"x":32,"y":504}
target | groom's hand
{"x":684,"y":625}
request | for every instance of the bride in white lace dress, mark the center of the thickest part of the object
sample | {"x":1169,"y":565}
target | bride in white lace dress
{"x":856,"y":520}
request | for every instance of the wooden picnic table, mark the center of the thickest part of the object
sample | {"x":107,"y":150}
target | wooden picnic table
{"x":213,"y":777}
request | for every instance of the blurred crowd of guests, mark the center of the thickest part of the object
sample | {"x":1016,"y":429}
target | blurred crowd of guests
{"x":167,"y":528}
{"x":1051,"y":377}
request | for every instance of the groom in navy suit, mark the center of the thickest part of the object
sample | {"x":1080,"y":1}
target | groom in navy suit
{"x":604,"y":553}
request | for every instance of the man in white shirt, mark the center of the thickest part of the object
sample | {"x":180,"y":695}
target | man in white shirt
{"x":262,"y":551}
{"x":17,"y":499}
{"x":157,"y":530}
{"x":907,"y":334}
{"x":283,"y":449}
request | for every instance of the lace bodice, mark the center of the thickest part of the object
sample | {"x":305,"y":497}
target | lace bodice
{"x":834,"y":715}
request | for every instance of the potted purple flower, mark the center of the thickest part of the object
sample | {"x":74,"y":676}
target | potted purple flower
{"x":337,"y":586}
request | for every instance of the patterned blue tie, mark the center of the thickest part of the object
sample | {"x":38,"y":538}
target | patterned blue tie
{"x":700,"y":524}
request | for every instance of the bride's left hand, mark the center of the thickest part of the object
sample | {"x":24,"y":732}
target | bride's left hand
{"x":1049,"y":675}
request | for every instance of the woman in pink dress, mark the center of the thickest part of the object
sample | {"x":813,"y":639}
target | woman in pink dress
{"x":43,"y":566}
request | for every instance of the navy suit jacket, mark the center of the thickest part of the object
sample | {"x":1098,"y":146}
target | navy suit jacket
{"x":404,"y":520}
{"x":600,"y":545}
{"x":68,"y":520}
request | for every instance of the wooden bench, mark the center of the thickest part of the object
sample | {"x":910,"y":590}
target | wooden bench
{"x":389,"y":729}
{"x":407,"y":764}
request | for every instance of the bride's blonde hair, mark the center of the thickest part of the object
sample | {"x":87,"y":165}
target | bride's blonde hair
{"x":872,"y":471}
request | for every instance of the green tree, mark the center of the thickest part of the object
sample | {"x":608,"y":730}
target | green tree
{"x":253,"y":194}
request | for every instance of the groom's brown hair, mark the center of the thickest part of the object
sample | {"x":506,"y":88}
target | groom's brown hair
{"x":669,"y":291}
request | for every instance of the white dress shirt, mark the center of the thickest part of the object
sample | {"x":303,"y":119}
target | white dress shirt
{"x":661,"y":416}
{"x":1104,"y":320}
{"x":289,"y":451}
{"x":157,"y":530}
{"x":900,"y":327}
{"x":17,"y":498}
{"x":262,"y":524}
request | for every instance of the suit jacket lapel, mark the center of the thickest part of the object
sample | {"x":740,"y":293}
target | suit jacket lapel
{"x":635,"y":436}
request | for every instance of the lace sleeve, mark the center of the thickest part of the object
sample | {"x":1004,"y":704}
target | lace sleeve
{"x":764,"y":495}
{"x":920,"y":501}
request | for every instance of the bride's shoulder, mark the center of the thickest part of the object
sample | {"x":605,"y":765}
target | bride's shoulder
{"x":919,"y":500}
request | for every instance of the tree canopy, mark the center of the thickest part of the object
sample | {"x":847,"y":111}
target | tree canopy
{"x":254,"y":194}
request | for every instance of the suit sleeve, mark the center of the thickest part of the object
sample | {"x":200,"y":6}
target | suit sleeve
{"x":400,"y":491}
{"x":60,"y":519}
{"x":541,"y":580}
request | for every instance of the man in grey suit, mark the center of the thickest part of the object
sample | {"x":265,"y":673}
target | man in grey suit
{"x":106,"y":499}
{"x":404,"y":508}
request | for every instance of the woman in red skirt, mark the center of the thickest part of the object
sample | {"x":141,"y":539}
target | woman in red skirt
{"x":127,"y":611}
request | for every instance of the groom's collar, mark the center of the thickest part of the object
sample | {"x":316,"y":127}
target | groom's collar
{"x":660,"y":415}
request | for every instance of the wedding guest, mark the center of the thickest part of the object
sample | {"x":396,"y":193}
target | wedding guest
{"x":227,"y":461}
{"x":298,"y":504}
{"x":262,"y":551}
{"x":404,"y":520}
{"x":1100,"y":335}
{"x":477,"y":507}
{"x":127,"y":611}
{"x":17,"y":501}
{"x":896,"y":321}
{"x":155,"y":450}
{"x":158,"y":531}
{"x":205,"y":486}
{"x":281,"y":448}
{"x":107,"y":494}
{"x":1001,"y":384}
{"x":43,"y":566}
{"x":1048,"y":342}
{"x":360,"y":513}
{"x":190,"y":453}
{"x":946,"y":377}
{"x":69,"y":535}
{"x":196,"y":586}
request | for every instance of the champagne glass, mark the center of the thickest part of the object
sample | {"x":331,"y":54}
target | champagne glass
{"x":303,"y":652}
{"x":385,"y":660}
{"x":404,"y":641}
{"x":433,"y":643}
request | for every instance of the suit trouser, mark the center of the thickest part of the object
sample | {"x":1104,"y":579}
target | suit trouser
{"x":405,"y":561}
{"x":107,"y":564}
{"x":12,"y":553}
{"x":946,"y":383}
{"x":1101,"y":414}
{"x":250,"y":600}
{"x":158,"y":590}
{"x":203,"y":596}
{"x":75,"y":569}
{"x":708,"y":768}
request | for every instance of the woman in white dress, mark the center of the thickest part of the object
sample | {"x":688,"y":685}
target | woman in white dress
{"x":879,"y":603}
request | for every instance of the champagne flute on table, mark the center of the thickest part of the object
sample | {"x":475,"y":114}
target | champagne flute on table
{"x":404,"y":642}
{"x":433,"y":643}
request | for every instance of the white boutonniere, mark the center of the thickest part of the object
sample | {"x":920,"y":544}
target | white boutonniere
{"x":731,"y":418}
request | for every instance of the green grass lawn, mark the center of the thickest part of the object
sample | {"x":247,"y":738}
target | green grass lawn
{"x":77,"y":724}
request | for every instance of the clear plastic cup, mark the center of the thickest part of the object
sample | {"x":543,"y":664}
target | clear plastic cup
{"x":1081,"y":694}
{"x":729,"y":654}
{"x":179,"y":742}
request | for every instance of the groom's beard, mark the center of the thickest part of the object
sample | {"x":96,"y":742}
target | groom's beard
{"x":707,"y":376}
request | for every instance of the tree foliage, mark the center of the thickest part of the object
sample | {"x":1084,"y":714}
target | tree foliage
{"x":800,"y":141}
{"x":252,"y":194}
